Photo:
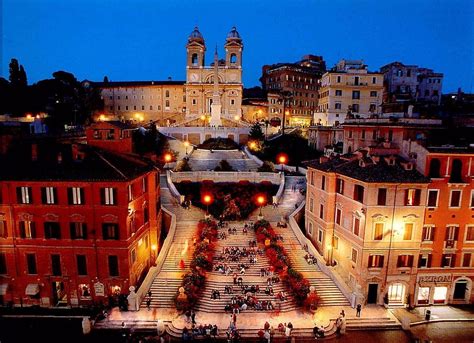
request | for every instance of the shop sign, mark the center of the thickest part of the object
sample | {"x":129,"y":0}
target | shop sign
{"x":99,"y":289}
{"x":436,"y":278}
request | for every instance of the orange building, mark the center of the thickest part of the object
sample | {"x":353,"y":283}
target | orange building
{"x":365,"y":217}
{"x":77,"y":224}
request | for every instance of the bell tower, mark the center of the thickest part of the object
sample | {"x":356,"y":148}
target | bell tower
{"x":196,"y":49}
{"x":233,"y":49}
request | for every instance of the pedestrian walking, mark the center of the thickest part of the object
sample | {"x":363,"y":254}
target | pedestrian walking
{"x":193,"y":317}
{"x":148,"y":303}
{"x":359,"y":307}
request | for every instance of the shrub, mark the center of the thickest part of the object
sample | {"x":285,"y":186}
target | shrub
{"x":266,"y":167}
{"x":183,"y":166}
{"x":223,"y":165}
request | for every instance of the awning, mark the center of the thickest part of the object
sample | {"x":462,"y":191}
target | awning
{"x":3,"y":288}
{"x":32,"y":289}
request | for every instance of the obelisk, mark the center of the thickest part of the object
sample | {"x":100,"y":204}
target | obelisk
{"x":216,"y":98}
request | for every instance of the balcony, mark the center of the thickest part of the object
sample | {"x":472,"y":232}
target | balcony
{"x":450,"y":244}
{"x":362,"y":84}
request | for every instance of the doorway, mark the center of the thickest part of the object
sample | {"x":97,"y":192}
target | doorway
{"x":373,"y":293}
{"x":460,"y":290}
{"x":59,"y":295}
{"x":396,"y":294}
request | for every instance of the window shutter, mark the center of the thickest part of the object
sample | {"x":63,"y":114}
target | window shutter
{"x":33,"y":229}
{"x":443,"y":259}
{"x":102,"y":196}
{"x":453,"y":260}
{"x":399,"y":261}
{"x":410,"y":260}
{"x":371,"y":260}
{"x":406,"y":197}
{"x":433,"y":233}
{"x":22,"y":229}
{"x":69,"y":196}
{"x":419,"y":260}
{"x":55,"y":194}
{"x":115,"y":196}
{"x":446,"y":234}
{"x":72,"y":230}
{"x":43,"y":195}
{"x":456,"y":233}
{"x":18,"y":195}
{"x":83,"y":199}
{"x":429,"y":260}
{"x":417,"y":197}
{"x":104,"y":232}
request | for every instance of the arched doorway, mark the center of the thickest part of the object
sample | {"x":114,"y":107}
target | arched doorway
{"x":462,"y":290}
{"x":396,"y":294}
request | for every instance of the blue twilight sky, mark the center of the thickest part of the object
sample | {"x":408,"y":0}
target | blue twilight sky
{"x":145,"y":39}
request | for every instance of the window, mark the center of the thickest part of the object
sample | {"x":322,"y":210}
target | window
{"x":110,"y":231}
{"x":323,"y":182}
{"x":310,"y":229}
{"x":167,"y":94}
{"x":354,"y":255}
{"x":359,"y":193}
{"x":194,"y":59}
{"x":52,"y":230}
{"x":167,"y":104}
{"x":75,"y":196}
{"x":108,"y":196}
{"x":338,"y":216}
{"x":455,"y":198}
{"x":355,"y":107}
{"x":355,"y":94}
{"x":362,"y":134}
{"x":78,"y":230}
{"x":48,"y":195}
{"x":24,"y":195}
{"x":349,"y":134}
{"x":408,"y":231}
{"x":27,"y":229}
{"x":378,"y":231}
{"x":412,"y":197}
{"x":143,"y":107}
{"x":337,"y":106}
{"x":126,"y":108}
{"x":374,"y":80}
{"x":424,"y":261}
{"x":356,"y":80}
{"x":372,"y":107}
{"x":404,"y":261}
{"x":451,"y":236}
{"x":471,"y":205}
{"x":428,"y":233}
{"x":81,"y":265}
{"x":321,"y":211}
{"x":3,"y":263}
{"x":56,"y":265}
{"x":338,"y":92}
{"x":373,"y":94}
{"x":3,"y":229}
{"x":448,"y":260}
{"x":399,"y":72}
{"x":356,"y":225}
{"x":232,"y":101}
{"x":340,"y":186}
{"x":311,"y":205}
{"x":320,"y":236}
{"x":435,"y":166}
{"x":382,"y":197}
{"x":456,"y":171}
{"x":194,"y":101}
{"x":113,"y":265}
{"x":466,"y":259}
{"x":31,"y":264}
{"x":338,"y":79}
{"x":375,"y":261}
{"x":432,"y":198}
{"x":470,"y":233}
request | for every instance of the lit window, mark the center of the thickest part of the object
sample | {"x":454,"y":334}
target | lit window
{"x":412,"y":197}
{"x":108,"y":196}
{"x":378,"y":231}
{"x":375,"y":261}
{"x":408,"y":231}
{"x":470,"y":233}
{"x":48,"y":195}
{"x":428,"y":233}
{"x":24,"y":195}
{"x":404,"y":261}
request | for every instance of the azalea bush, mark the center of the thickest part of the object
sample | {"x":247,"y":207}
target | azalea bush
{"x":193,"y":281}
{"x":280,"y":260}
{"x":231,"y":200}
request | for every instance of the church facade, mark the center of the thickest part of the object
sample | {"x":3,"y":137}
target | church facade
{"x":186,"y":102}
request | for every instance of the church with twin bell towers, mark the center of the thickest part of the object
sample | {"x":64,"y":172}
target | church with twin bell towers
{"x":214,"y":93}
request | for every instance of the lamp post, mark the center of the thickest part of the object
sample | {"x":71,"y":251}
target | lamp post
{"x":186,"y":144}
{"x":282,"y":159}
{"x":261,"y":201}
{"x":207,"y":200}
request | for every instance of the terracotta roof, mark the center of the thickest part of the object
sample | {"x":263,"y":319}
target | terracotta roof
{"x":113,"y":84}
{"x":370,"y":172}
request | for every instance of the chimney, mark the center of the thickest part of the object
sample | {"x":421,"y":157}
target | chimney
{"x":34,"y":152}
{"x":60,"y":158}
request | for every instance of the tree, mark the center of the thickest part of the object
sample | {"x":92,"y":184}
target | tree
{"x":256,"y":132}
{"x":183,"y":166}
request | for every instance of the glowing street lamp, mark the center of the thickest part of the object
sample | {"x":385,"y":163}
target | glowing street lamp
{"x":168,"y":157}
{"x":237,"y":117}
{"x":261,"y":201}
{"x":282,"y":159}
{"x":253,"y":145}
{"x":186,"y":144}
{"x":207,"y":200}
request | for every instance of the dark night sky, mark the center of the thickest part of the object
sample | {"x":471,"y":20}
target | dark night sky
{"x":145,"y":39}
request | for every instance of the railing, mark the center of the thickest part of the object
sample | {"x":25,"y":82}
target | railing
{"x":160,"y":260}
{"x":199,"y":176}
{"x":304,"y":241}
{"x":174,"y":192}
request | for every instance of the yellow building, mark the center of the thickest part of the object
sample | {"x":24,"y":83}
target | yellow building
{"x":348,"y":89}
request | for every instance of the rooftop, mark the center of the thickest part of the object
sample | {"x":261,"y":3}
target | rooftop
{"x":113,"y":84}
{"x":370,"y":170}
{"x":55,"y":162}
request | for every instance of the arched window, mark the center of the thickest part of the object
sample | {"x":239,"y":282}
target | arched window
{"x":194,"y":59}
{"x":435,"y":166}
{"x":233,"y":58}
{"x":167,"y":94}
{"x":456,"y":171}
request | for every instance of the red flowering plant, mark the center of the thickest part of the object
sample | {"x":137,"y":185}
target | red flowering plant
{"x":193,"y":281}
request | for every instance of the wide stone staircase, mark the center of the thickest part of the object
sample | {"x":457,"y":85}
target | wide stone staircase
{"x":167,"y":282}
{"x":217,"y":281}
{"x":205,"y":160}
